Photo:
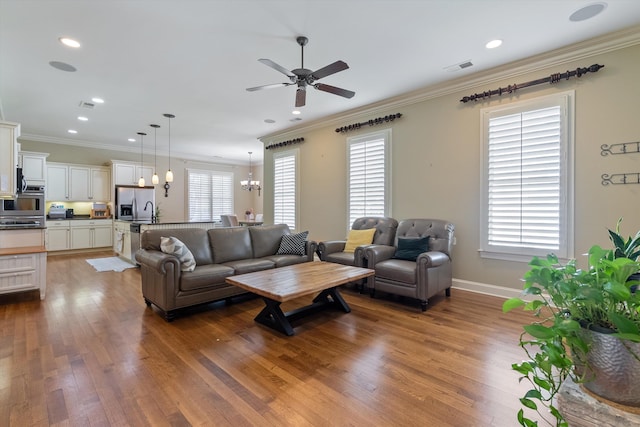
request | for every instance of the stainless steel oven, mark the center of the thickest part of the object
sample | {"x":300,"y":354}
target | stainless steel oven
{"x":18,"y":222}
{"x":24,"y":204}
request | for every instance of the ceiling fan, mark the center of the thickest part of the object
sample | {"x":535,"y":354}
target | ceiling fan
{"x":303,"y":77}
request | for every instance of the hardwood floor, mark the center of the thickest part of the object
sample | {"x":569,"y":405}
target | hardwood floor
{"x":93,"y":354}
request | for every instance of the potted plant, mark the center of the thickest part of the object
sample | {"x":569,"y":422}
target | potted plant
{"x":574,"y":310}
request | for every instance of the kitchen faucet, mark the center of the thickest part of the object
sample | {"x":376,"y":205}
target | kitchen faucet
{"x":153,"y":216}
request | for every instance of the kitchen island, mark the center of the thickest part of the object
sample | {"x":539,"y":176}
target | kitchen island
{"x":127,"y":234}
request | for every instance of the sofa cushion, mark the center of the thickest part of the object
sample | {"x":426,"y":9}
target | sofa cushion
{"x":293,"y":244}
{"x":284,"y":260}
{"x":344,"y":258}
{"x":204,"y":277}
{"x":243,"y":266}
{"x":266,"y":239}
{"x":173,"y":246}
{"x":357,"y":238}
{"x":409,"y":248}
{"x":230,"y":244}
{"x":194,"y":238}
{"x":397,"y":270}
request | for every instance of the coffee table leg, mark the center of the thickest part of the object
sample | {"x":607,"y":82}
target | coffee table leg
{"x":335,"y":295}
{"x":273,"y":317}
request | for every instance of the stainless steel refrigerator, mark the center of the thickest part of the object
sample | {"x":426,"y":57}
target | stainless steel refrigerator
{"x":135,"y":203}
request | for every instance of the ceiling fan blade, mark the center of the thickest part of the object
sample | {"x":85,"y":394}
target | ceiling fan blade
{"x":301,"y":97}
{"x":334,"y":90}
{"x":270,"y":63}
{"x":329,"y":69}
{"x":253,"y":89}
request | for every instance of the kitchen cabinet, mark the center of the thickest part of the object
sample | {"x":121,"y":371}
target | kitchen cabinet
{"x":122,"y":239}
{"x":78,"y":183}
{"x":23,"y":269}
{"x":34,"y":167}
{"x":57,"y":237}
{"x":9,"y":133}
{"x":127,"y":173}
{"x":91,"y":233}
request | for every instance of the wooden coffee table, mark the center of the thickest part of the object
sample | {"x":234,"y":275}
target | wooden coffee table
{"x":279,"y":285}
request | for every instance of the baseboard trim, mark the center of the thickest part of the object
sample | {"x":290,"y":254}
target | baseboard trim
{"x":487,"y":289}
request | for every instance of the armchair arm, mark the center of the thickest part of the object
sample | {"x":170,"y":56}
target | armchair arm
{"x":160,"y":275}
{"x":330,"y":247}
{"x":311,"y":248}
{"x":376,"y":253}
{"x":432,"y":259}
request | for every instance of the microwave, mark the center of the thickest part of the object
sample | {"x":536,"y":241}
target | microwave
{"x":25,"y":204}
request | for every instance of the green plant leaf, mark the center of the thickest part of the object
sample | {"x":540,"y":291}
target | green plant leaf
{"x":529,"y":403}
{"x":543,"y":384}
{"x":630,"y":337}
{"x":512,"y":303}
{"x":624,"y":324}
{"x":539,"y":331}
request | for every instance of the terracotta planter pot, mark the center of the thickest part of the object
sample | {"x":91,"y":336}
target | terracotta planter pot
{"x":614,"y":371}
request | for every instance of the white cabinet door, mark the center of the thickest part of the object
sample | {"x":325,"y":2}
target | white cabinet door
{"x":57,"y":182}
{"x":146,"y":172}
{"x":124,"y":174}
{"x":80,"y":237}
{"x":9,"y":133}
{"x":34,"y":167}
{"x":102,"y":237}
{"x":57,"y":239}
{"x":100,"y":185}
{"x":79,"y":183}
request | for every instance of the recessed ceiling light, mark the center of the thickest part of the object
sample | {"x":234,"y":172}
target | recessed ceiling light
{"x":131,"y":140}
{"x":295,"y":112}
{"x":493,"y":44}
{"x":587,"y":12}
{"x":98,"y":100}
{"x":82,"y":118}
{"x":269,"y":121}
{"x":69,"y":42}
{"x":62,"y":66}
{"x":72,"y":131}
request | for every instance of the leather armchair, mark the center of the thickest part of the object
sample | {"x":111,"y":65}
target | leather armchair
{"x":429,"y":274}
{"x":333,"y":250}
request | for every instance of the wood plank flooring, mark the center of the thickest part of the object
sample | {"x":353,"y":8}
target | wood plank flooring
{"x":93,"y":354}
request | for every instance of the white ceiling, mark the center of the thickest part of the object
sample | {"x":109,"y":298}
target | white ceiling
{"x":195,"y":58}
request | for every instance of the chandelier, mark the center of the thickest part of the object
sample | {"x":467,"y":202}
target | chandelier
{"x":250,"y":184}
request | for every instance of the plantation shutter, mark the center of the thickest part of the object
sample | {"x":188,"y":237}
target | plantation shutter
{"x":284,"y":192}
{"x":524,"y":179}
{"x":210,"y":195}
{"x":367,"y":184}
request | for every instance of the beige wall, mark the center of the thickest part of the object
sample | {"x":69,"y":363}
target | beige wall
{"x":173,"y":207}
{"x":436,"y":160}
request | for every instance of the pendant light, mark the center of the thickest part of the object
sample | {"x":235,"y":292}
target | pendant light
{"x":155,"y":180}
{"x":169,"y":175}
{"x":141,"y":180}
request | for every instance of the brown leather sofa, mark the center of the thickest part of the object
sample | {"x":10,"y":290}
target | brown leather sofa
{"x":333,"y":250}
{"x":219,"y":253}
{"x":429,"y":274}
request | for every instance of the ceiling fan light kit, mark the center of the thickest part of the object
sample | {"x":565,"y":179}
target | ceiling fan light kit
{"x":303,"y":77}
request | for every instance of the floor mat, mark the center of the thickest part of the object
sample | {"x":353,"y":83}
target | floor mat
{"x":109,"y":264}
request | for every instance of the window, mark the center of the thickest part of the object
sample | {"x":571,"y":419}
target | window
{"x":368,"y":175}
{"x":210,"y":194}
{"x":527,"y":179}
{"x":285,"y":188}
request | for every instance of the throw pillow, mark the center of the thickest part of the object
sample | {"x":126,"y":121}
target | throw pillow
{"x":293,"y":244}
{"x":173,"y":246}
{"x":358,"y":238}
{"x":409,"y":248}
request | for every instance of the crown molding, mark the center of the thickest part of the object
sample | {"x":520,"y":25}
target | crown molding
{"x":575,"y":52}
{"x":121,"y":149}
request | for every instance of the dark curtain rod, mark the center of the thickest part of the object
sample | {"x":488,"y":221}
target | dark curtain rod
{"x":553,"y":78}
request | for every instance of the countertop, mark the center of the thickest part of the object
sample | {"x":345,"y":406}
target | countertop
{"x":22,"y":250}
{"x":137,"y":222}
{"x":74,"y":218}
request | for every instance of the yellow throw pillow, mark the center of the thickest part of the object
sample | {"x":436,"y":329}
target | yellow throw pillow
{"x":357,"y":238}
